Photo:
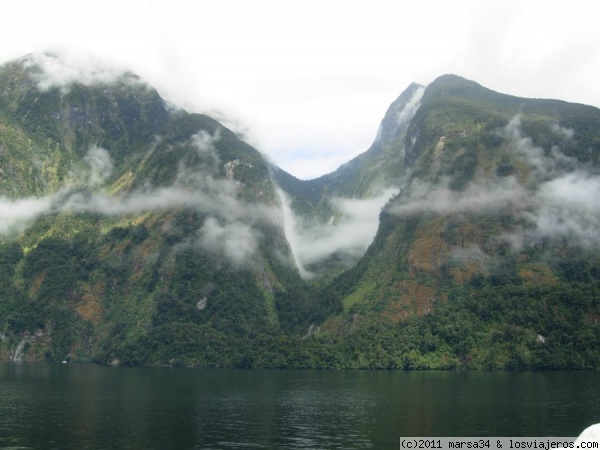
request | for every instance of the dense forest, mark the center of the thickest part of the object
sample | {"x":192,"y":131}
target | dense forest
{"x":136,"y":233}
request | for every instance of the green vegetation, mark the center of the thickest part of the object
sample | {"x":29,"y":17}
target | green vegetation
{"x":205,"y":277}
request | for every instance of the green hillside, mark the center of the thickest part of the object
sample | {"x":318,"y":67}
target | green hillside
{"x":133,"y":232}
{"x":374,"y":174}
{"x":481,"y":261}
{"x":127,"y":223}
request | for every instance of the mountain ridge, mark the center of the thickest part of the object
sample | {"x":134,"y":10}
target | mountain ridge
{"x":479,"y":221}
{"x":132,"y":232}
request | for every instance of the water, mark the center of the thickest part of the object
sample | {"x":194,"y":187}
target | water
{"x":44,"y":406}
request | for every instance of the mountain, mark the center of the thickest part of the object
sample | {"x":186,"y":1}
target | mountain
{"x":126,"y":221}
{"x":370,"y":179}
{"x":365,"y":175}
{"x":134,"y":232}
{"x":488,"y":255}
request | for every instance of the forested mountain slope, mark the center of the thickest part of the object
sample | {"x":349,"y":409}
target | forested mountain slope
{"x":490,"y":249}
{"x":124,"y":218}
{"x":133,"y":232}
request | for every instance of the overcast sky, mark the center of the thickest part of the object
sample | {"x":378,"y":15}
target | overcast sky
{"x":309,"y":81}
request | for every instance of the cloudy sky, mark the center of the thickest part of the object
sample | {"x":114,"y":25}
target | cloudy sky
{"x":309,"y":81}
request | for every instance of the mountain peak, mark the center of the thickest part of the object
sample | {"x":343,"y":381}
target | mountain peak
{"x":453,"y":85}
{"x":61,"y":70}
{"x":400,"y":112}
{"x":131,"y":232}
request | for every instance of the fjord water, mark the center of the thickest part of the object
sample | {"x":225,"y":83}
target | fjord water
{"x":44,"y":406}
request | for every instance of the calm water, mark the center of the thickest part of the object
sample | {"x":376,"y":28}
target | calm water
{"x":90,"y":407}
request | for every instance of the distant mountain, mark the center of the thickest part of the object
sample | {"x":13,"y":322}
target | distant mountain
{"x":376,"y":168}
{"x":372,"y":177}
{"x":488,"y":256}
{"x":134,"y":232}
{"x":125,"y":222}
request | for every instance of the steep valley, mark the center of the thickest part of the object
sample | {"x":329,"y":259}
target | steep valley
{"x":133,"y":232}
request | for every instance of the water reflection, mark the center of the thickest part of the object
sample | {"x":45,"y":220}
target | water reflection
{"x":90,"y":407}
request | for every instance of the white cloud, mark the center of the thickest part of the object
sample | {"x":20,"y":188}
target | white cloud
{"x":100,"y":164}
{"x":205,"y":144}
{"x":567,"y":133}
{"x":230,"y":228}
{"x":409,"y":110}
{"x":482,"y":196}
{"x":471,"y":254}
{"x":561,"y":202}
{"x":61,"y":70}
{"x":348,"y":236}
{"x":545,"y":166}
{"x":207,"y":195}
{"x":319,"y":88}
{"x":15,"y":215}
{"x":569,"y":208}
{"x":564,"y":201}
{"x":311,"y":97}
{"x":236,"y":241}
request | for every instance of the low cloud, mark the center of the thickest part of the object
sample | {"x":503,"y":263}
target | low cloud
{"x":229,"y":228}
{"x":558,"y":200}
{"x":546,"y":165}
{"x":204,"y":142}
{"x":483,"y":196}
{"x":347,"y":236}
{"x":218,"y":199}
{"x":567,"y":133}
{"x":66,"y":68}
{"x":100,"y":164}
{"x":569,"y":208}
{"x":407,"y":113}
{"x":472,"y":255}
{"x":197,"y":189}
{"x":564,"y":203}
{"x":16,"y":215}
{"x":236,"y":241}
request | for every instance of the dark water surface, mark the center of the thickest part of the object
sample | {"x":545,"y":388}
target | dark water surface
{"x":44,"y":406}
